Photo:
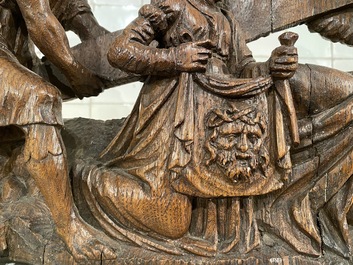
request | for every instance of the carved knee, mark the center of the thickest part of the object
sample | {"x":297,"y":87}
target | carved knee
{"x":133,"y":205}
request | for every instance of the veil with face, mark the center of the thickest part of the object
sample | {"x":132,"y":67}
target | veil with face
{"x":236,"y":143}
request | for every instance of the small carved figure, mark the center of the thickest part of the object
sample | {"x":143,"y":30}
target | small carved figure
{"x":31,"y":105}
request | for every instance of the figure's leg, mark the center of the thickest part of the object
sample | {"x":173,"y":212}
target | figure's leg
{"x":136,"y":205}
{"x":323,"y":99}
{"x":318,"y":88}
{"x":45,"y":159}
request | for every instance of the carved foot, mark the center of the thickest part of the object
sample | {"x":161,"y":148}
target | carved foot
{"x":87,"y":243}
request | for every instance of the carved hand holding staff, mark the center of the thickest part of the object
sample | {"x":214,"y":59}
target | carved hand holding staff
{"x":283,"y":88}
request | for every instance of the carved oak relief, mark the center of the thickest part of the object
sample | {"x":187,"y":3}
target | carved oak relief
{"x":222,"y":160}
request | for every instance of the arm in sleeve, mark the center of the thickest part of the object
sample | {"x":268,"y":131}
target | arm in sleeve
{"x":47,"y":33}
{"x":132,"y":51}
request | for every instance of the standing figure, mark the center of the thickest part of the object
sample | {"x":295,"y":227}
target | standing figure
{"x":33,"y":105}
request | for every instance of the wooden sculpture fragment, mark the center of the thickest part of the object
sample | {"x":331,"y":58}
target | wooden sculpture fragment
{"x":222,"y":160}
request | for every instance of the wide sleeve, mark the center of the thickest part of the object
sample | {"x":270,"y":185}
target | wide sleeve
{"x":77,"y":16}
{"x":66,"y":10}
{"x":132,"y":50}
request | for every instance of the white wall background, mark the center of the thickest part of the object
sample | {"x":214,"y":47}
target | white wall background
{"x":117,"y":102}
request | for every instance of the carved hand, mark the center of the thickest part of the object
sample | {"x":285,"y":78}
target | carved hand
{"x":84,"y":83}
{"x":193,"y":56}
{"x":284,"y":60}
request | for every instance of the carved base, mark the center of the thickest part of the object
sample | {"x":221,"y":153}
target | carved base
{"x":32,"y":240}
{"x":27,"y":233}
